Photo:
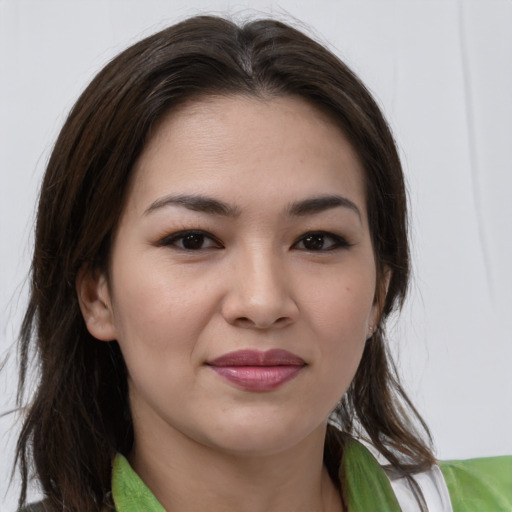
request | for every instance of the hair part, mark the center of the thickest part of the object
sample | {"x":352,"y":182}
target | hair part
{"x":79,"y":416}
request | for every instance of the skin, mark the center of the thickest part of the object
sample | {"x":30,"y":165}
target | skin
{"x":252,"y":282}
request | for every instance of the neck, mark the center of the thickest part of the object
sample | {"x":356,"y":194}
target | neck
{"x":186,"y":475}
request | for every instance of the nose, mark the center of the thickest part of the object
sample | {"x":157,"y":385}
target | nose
{"x":260,"y":293}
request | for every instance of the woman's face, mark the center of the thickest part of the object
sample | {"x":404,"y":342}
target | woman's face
{"x":242,"y":284}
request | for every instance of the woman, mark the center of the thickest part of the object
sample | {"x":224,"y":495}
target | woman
{"x":221,"y":236}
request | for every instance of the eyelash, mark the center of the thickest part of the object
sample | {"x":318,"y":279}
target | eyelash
{"x":337,"y":241}
{"x":171,"y":240}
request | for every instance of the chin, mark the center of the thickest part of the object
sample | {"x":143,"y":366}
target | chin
{"x":262,"y":437}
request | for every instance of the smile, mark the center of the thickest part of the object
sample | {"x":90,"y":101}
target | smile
{"x":253,"y":370}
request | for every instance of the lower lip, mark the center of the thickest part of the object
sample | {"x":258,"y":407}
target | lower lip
{"x":258,"y":378}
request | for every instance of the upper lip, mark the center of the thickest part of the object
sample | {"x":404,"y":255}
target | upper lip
{"x":273,"y":357}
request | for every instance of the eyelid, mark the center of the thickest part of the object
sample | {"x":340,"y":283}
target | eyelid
{"x":171,"y":239}
{"x":340,"y":242}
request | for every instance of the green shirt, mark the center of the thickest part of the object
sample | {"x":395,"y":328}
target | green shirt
{"x":478,"y":485}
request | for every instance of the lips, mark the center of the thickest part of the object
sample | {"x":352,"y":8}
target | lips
{"x":253,"y":370}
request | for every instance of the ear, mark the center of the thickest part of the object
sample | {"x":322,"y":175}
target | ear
{"x":94,"y":299}
{"x":379,"y":300}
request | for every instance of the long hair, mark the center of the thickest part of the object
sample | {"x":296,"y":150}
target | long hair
{"x":79,"y":416}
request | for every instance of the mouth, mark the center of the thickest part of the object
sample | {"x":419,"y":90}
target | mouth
{"x":254,"y":370}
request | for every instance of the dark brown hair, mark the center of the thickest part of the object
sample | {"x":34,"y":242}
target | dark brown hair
{"x":79,"y":416}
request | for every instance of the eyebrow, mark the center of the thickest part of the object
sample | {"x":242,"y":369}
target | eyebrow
{"x":197,"y":203}
{"x":322,"y":203}
{"x":209,"y":205}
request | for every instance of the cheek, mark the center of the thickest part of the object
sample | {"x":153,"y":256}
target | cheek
{"x":342,"y":307}
{"x":340,"y":316}
{"x":153,"y":312}
{"x":156,"y":337}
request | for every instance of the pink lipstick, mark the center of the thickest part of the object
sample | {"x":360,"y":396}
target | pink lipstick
{"x":253,"y":370}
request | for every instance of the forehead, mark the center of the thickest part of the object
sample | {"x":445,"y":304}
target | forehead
{"x":227,"y":146}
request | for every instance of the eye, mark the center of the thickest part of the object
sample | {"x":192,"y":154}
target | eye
{"x":317,"y":241}
{"x":191,"y":240}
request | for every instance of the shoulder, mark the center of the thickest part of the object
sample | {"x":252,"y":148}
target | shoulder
{"x":475,"y":485}
{"x":479,"y":484}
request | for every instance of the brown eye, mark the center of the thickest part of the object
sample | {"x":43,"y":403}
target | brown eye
{"x":314,"y":242}
{"x":320,"y":241}
{"x":191,"y":240}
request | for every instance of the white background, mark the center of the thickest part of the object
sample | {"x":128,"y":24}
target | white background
{"x":442,"y":71}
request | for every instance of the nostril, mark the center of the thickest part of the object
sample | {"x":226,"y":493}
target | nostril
{"x":243,"y":321}
{"x":246,"y":322}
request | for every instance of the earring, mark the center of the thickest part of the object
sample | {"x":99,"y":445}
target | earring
{"x":370,"y":332}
